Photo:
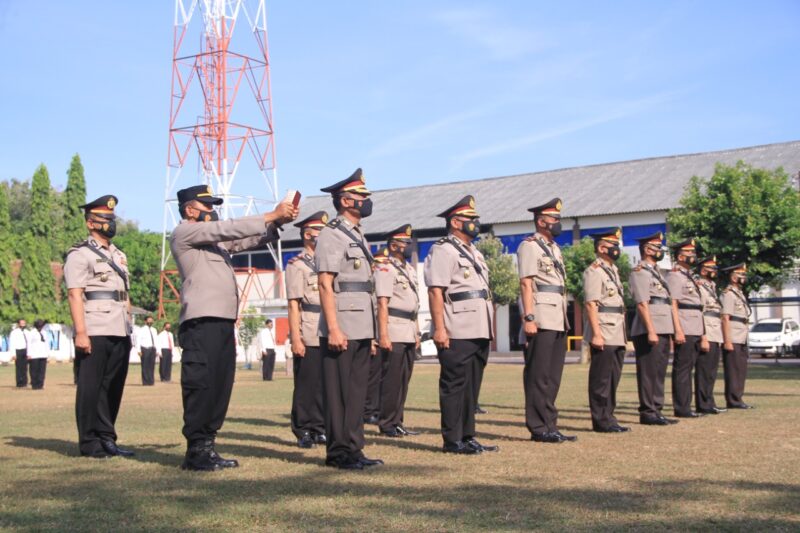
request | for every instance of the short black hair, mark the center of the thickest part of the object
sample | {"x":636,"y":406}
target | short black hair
{"x":149,"y":317}
{"x":182,"y":210}
{"x":268,"y":321}
{"x":337,"y":202}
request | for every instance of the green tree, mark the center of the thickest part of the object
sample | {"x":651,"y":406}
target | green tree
{"x":249,"y":326}
{"x":36,"y":286}
{"x":503,"y":278}
{"x":747,"y":214}
{"x":578,"y":257}
{"x":143,"y":250}
{"x":42,"y":206}
{"x":19,"y":200}
{"x":7,"y":306}
{"x":74,"y":226}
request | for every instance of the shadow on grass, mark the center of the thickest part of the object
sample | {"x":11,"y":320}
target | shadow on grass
{"x":257,"y":422}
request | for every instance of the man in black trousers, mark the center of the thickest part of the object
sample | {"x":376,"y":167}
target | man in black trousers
{"x":18,"y":345}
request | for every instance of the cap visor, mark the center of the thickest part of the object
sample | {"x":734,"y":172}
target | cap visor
{"x":210,"y":200}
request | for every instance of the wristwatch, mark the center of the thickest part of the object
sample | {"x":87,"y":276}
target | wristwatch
{"x":528,"y":318}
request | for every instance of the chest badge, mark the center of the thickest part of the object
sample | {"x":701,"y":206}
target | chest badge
{"x":466,"y":273}
{"x":357,"y":264}
{"x":103,"y":277}
{"x":611,"y":292}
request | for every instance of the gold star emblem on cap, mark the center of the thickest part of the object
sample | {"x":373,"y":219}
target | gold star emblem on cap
{"x":325,"y":218}
{"x":111,"y":203}
{"x":558,"y":205}
{"x":362,"y":178}
{"x":209,"y":190}
{"x":472,"y":203}
{"x":408,"y":231}
{"x":660,"y":236}
{"x":619,"y":233}
{"x":691,"y":241}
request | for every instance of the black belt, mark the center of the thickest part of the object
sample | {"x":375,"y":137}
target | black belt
{"x":660,"y":300}
{"x":712,"y":314}
{"x":610,"y":309}
{"x":117,"y":296}
{"x":409,"y":315}
{"x":469,"y":295}
{"x":558,"y":289}
{"x":741,"y":319}
{"x":311,"y":308}
{"x":693,"y":307}
{"x":356,"y":286}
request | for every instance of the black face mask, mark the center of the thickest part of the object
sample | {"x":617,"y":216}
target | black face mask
{"x":364,"y":207}
{"x":312,"y":240}
{"x":658,"y":255}
{"x":712,"y":275}
{"x":208,"y":216}
{"x":742,"y":280}
{"x":614,"y":252}
{"x":690,"y":259}
{"x":108,"y":228}
{"x":408,"y":252}
{"x":471,"y":227}
{"x":554,"y":228}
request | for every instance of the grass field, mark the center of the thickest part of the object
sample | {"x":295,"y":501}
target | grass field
{"x":736,"y":471}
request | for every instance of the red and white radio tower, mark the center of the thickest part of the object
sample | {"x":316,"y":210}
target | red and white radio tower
{"x":226,"y":139}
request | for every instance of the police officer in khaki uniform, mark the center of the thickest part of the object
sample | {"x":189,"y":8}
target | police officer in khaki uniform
{"x":96,"y":275}
{"x":398,"y":333}
{"x":347,"y":325}
{"x":542,"y":280}
{"x":202,"y":246}
{"x":461,"y":311}
{"x":690,"y":327}
{"x":604,"y":330}
{"x":652,"y":330}
{"x":705,"y":372}
{"x":735,"y":353}
{"x":302,"y":292}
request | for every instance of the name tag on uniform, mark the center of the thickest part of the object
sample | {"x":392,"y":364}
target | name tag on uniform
{"x":353,"y":245}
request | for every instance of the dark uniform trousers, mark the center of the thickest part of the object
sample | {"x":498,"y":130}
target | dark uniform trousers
{"x":459,"y":364}
{"x":101,"y":380}
{"x":38,"y":368}
{"x":165,"y":366}
{"x":21,"y":365}
{"x":544,"y":365}
{"x":735,"y":364}
{"x":344,"y":378}
{"x":372,"y":405}
{"x":208,"y":365}
{"x":148,"y":366}
{"x":651,"y":371}
{"x":76,"y":362}
{"x":604,"y":375}
{"x":396,"y":367}
{"x":683,"y":362}
{"x":308,"y":414}
{"x":268,"y":365}
{"x":705,"y":375}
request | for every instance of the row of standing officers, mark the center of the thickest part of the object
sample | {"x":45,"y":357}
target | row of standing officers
{"x":348,"y":308}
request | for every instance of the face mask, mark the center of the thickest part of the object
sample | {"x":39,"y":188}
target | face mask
{"x":613,"y":252}
{"x":659,"y":255}
{"x":712,"y":275}
{"x":108,"y":228}
{"x":408,"y":252}
{"x":690,"y":259}
{"x":554,"y":229}
{"x":312,"y":240}
{"x":742,"y":280}
{"x":208,"y":216}
{"x":364,"y":207}
{"x":471,"y":227}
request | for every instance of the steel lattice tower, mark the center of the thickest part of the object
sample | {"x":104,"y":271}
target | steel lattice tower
{"x":224,"y":137}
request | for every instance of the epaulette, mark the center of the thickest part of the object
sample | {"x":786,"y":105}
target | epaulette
{"x":334,"y":223}
{"x":293,"y":260}
{"x":78,"y":245}
{"x":595,"y":264}
{"x":637,"y":268}
{"x":441,"y":241}
{"x":530,"y":238}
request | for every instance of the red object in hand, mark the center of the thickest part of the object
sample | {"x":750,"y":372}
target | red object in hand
{"x":293,"y":197}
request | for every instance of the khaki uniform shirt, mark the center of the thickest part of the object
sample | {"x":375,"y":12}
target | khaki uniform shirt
{"x":338,"y":254}
{"x":601,"y":284}
{"x":683,"y":288}
{"x":302,"y":284}
{"x":445,"y":267}
{"x":711,"y":304}
{"x":203,"y":251}
{"x":397,"y":280}
{"x":532,"y":261}
{"x":86,"y":270}
{"x":735,"y":304}
{"x":647,"y":282}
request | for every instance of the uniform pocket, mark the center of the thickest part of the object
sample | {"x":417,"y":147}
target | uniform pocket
{"x":349,"y":303}
{"x":465,"y":306}
{"x":194,"y":370}
{"x":548,"y":298}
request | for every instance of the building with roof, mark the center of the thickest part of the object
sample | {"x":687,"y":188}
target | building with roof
{"x":635,"y":195}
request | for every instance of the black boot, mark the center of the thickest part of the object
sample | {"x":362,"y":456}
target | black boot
{"x":198,"y":458}
{"x":221,"y":461}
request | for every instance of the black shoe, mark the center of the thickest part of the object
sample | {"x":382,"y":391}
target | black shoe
{"x":221,"y":461}
{"x":668,"y":420}
{"x":306,"y":441}
{"x":459,"y":448}
{"x":616,"y":428}
{"x":198,"y":459}
{"x":101,"y":454}
{"x":366,"y":462}
{"x":320,"y":438}
{"x":742,"y":406}
{"x":111,"y":448}
{"x":690,"y":414}
{"x":653,"y":421}
{"x":344,"y":463}
{"x":550,"y":437}
{"x":405,"y":431}
{"x":565,"y":438}
{"x":712,"y":411}
{"x":480,"y":410}
{"x":394,"y":433}
{"x":372,"y":419}
{"x":472,"y":443}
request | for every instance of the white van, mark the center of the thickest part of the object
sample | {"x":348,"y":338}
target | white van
{"x":774,"y":336}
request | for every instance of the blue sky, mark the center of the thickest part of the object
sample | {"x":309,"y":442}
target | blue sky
{"x":414,"y":92}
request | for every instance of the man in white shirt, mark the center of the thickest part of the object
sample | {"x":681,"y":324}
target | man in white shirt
{"x":266,"y":344}
{"x":18,"y":346}
{"x":166,"y":342}
{"x":146,"y":341}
